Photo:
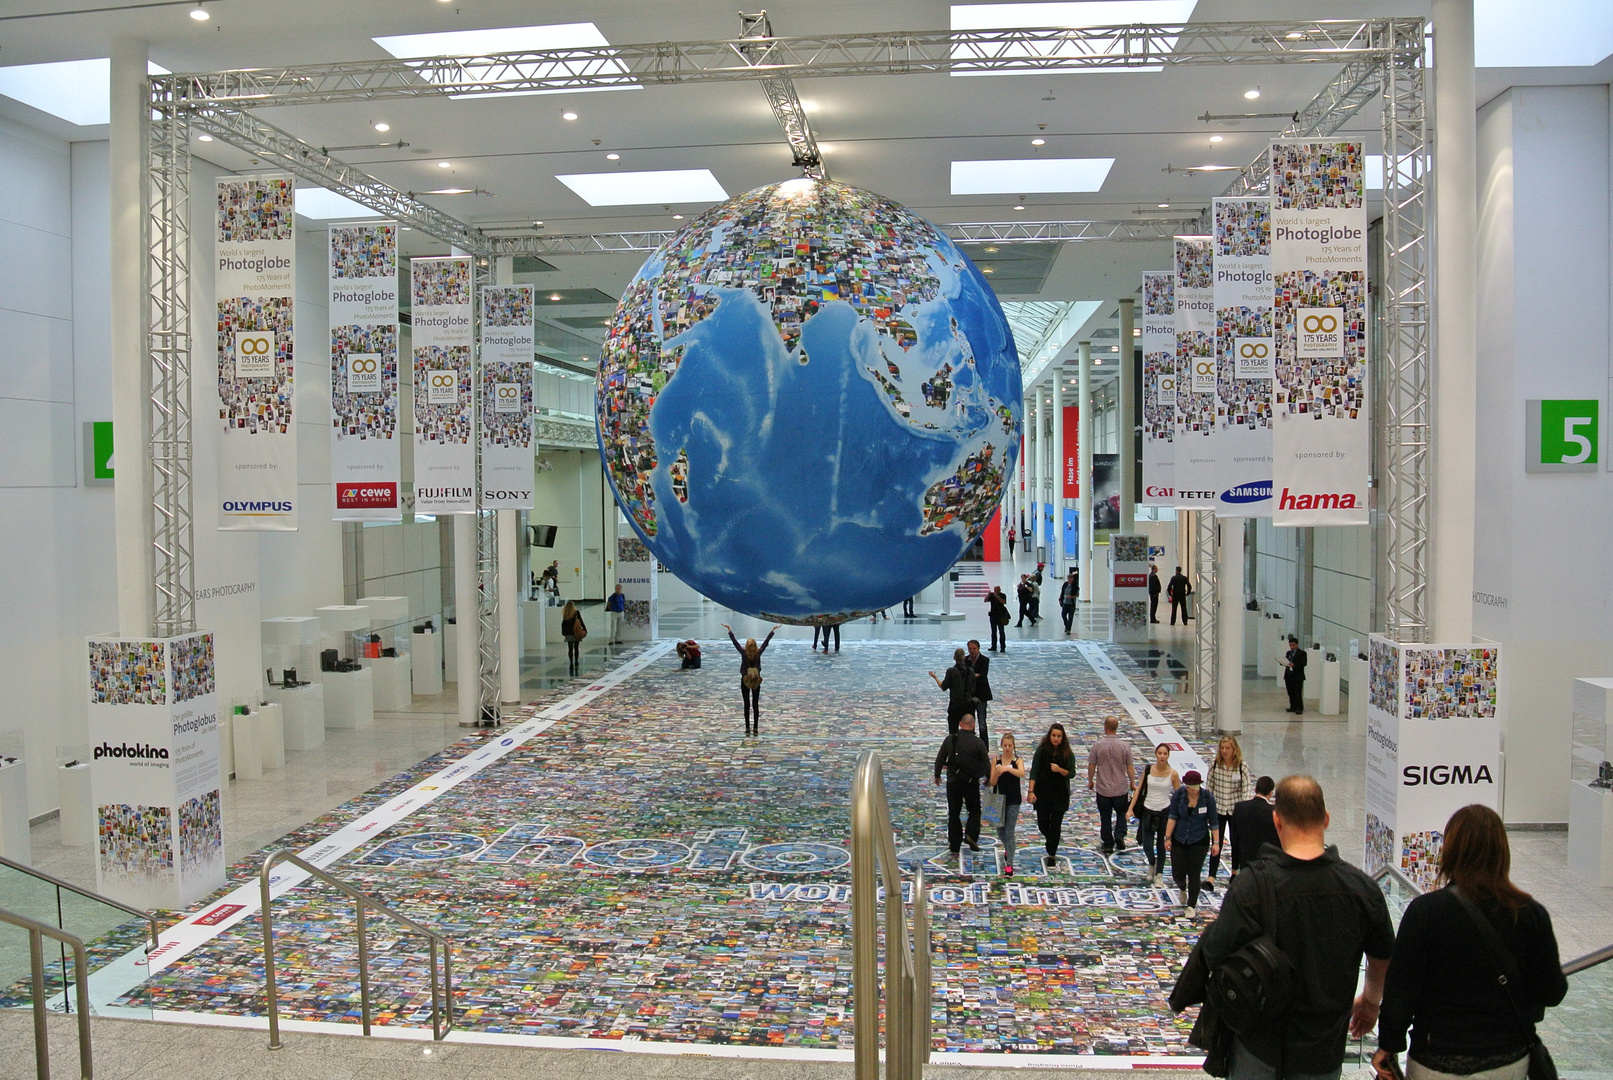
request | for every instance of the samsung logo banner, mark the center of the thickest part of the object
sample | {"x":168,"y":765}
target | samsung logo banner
{"x":1259,"y":491}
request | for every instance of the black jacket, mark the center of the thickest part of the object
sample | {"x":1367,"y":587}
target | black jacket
{"x":1298,"y":658}
{"x":1179,"y":587}
{"x":1252,"y":829}
{"x":973,"y":763}
{"x":959,"y":683}
{"x":1154,"y":586}
{"x":982,"y":670}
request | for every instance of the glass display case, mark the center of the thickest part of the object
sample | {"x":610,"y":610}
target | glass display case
{"x":1590,"y":763}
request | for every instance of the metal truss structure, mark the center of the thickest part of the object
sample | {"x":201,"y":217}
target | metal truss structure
{"x":1383,"y":57}
{"x":785,"y":102}
{"x":1207,"y":626}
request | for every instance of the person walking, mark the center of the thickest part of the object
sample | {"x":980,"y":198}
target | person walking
{"x":1176,"y":592}
{"x":959,"y":685}
{"x":1024,"y":595}
{"x":980,"y":666}
{"x":1049,"y":788}
{"x":997,"y":615}
{"x":831,"y":628}
{"x":963,"y":756}
{"x":750,"y":676}
{"x":1252,"y":828}
{"x":1149,"y":805}
{"x":1035,"y":583}
{"x":1293,"y":662}
{"x":1154,"y":589}
{"x":572,"y":629}
{"x":907,"y":608}
{"x":1190,"y":831}
{"x":1111,"y":776}
{"x":1328,"y":916}
{"x":1006,"y":772}
{"x":1229,"y":781}
{"x":615,"y":606}
{"x":1012,"y":536}
{"x":1475,"y":965}
{"x":1069,"y":593}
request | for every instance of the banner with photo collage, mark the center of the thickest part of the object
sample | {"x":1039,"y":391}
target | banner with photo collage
{"x":440,"y":328}
{"x":154,"y":769}
{"x":1322,"y":436}
{"x":255,"y":273}
{"x":1244,"y":357}
{"x":505,"y":397}
{"x":1159,"y":389}
{"x":1433,"y":747}
{"x":1197,"y":471}
{"x":366,"y":458}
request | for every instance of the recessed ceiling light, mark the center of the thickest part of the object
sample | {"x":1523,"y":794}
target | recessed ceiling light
{"x":568,"y":115}
{"x":1164,"y":206}
{"x":1038,"y":142}
{"x":1006,"y":177}
{"x":204,"y":138}
{"x":1019,"y":206}
{"x":1294,"y":35}
{"x":1252,"y":94}
{"x":382,"y":125}
{"x":1136,"y":331}
{"x":1216,"y":138}
{"x":538,"y":223}
{"x":639,"y":188}
{"x":990,"y":250}
{"x":505,"y":39}
{"x":613,"y":157}
{"x":987,"y":270}
{"x":443,"y":164}
{"x":199,"y":13}
{"x":677,"y":217}
{"x":554,"y":296}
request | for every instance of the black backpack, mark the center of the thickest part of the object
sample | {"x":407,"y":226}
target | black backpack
{"x":1251,"y":988}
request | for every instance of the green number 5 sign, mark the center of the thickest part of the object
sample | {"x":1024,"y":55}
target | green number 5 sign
{"x":1563,"y":436}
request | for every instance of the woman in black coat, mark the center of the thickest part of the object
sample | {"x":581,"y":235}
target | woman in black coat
{"x":1049,"y":789}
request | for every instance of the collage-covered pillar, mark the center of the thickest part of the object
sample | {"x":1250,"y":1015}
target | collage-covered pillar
{"x":1125,"y":429}
{"x":1055,"y":560}
{"x":1229,"y":634}
{"x":509,"y":556}
{"x":1034,"y":541}
{"x":468,"y":662}
{"x":1083,"y":478}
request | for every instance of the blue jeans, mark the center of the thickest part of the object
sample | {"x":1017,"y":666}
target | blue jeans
{"x":1245,"y":1066}
{"x":1005,"y":832}
{"x":1112,"y":808}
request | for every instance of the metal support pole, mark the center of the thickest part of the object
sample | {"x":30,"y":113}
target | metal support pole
{"x":270,"y":990}
{"x":864,"y":949}
{"x":363,"y":969}
{"x":1083,"y":480}
{"x":1229,"y":628}
{"x":36,"y":959}
{"x":1126,"y":425}
{"x":1207,"y":659}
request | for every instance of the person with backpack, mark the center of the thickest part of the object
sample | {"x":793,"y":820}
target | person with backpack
{"x":750,"y":676}
{"x":964,"y":758}
{"x":1277,"y":969}
{"x":1454,"y":948}
{"x":959,"y":685}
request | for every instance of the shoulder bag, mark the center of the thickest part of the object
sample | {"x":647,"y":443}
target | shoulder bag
{"x":1251,"y":988}
{"x":993,"y":804}
{"x":1541,"y":1066}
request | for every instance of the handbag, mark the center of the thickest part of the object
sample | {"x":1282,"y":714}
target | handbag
{"x":752,"y":679}
{"x":1541,"y":1066}
{"x":993,"y":805}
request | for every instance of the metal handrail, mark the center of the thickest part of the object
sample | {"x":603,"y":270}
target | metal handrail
{"x":151,"y":920}
{"x":433,"y":939}
{"x":908,"y":991}
{"x":37,"y":932}
{"x":1405,"y":882}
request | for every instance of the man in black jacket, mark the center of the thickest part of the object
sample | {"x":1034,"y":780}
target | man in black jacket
{"x":981,"y":665}
{"x":1154,"y":589}
{"x":1251,"y":826}
{"x":1294,"y":662}
{"x":966,"y":762}
{"x":1176,"y":592}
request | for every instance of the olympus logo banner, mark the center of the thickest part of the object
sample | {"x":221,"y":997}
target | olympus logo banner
{"x":254,"y":277}
{"x":505,"y":399}
{"x":1197,"y":473}
{"x":366,"y":459}
{"x":1159,"y":389}
{"x":1244,"y":355}
{"x":1322,"y":437}
{"x":1433,"y":747}
{"x":440,"y":326}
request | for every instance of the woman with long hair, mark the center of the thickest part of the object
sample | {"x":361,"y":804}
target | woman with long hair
{"x":1006,"y":772}
{"x":750,"y":676}
{"x":573,"y":629}
{"x":1149,"y":805}
{"x":1470,"y":1009}
{"x":1049,"y":787}
{"x":1229,"y":781}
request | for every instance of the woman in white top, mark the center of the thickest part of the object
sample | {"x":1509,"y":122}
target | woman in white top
{"x":1148,"y":806}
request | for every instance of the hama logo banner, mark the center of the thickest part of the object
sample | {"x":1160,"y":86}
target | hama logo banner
{"x":366,"y":460}
{"x":1158,"y":486}
{"x":254,"y":253}
{"x":1244,"y":357}
{"x":1322,"y":439}
{"x":440,"y":322}
{"x":1197,"y":475}
{"x":506,"y":401}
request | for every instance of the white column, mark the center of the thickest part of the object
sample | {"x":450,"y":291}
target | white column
{"x":131,"y":369}
{"x":1035,"y":538}
{"x":1229,"y":633}
{"x":468,"y":664}
{"x":1454,"y":435}
{"x":1083,"y":400}
{"x":509,"y":606}
{"x":1127,"y":420}
{"x":1055,"y":559}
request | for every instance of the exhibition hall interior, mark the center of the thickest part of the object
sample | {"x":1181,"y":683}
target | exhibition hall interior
{"x":438,"y":639}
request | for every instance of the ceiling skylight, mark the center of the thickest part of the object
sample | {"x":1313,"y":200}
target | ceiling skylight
{"x":1022,"y":177}
{"x":504,"y":40}
{"x":1074,"y":15}
{"x":1541,"y":33}
{"x":78,"y":91}
{"x":639,"y":188}
{"x":324,"y":205}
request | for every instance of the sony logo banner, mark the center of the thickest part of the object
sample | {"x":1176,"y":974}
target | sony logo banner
{"x":254,"y":275}
{"x":1159,"y":388}
{"x":444,"y":381}
{"x":366,"y":460}
{"x":506,"y":405}
{"x":1197,"y":472}
{"x":1321,"y":437}
{"x":1244,"y":357}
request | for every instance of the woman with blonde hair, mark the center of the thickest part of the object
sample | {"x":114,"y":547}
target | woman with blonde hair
{"x":573,"y":629}
{"x":1006,"y":772}
{"x":1229,"y":781}
{"x":750,"y":676}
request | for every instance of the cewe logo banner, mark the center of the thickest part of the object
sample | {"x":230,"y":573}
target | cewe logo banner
{"x":505,"y":403}
{"x":444,"y":450}
{"x":367,"y":496}
{"x":366,"y":460}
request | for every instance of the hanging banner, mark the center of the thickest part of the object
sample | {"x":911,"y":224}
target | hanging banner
{"x":1433,"y":747}
{"x":366,"y":461}
{"x":1244,"y":357}
{"x":1159,"y":389}
{"x":505,"y":397}
{"x":154,"y":761}
{"x":1197,"y":470}
{"x":1070,"y":468}
{"x":636,"y":574}
{"x":440,"y":329}
{"x":1322,"y":438}
{"x":1128,"y":594}
{"x":255,"y":252}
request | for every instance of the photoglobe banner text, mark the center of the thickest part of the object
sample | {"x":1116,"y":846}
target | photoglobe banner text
{"x":1322,"y":438}
{"x":1159,"y":389}
{"x":1244,"y":355}
{"x":366,"y":461}
{"x":255,"y":250}
{"x":505,"y":397}
{"x":440,"y":328}
{"x":1196,"y":466}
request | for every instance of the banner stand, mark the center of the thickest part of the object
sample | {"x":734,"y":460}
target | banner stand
{"x":1128,"y":598}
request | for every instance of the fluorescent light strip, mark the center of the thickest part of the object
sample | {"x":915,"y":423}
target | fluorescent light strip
{"x":508,"y":39}
{"x":78,"y":91}
{"x":323,"y":205}
{"x":1074,"y":15}
{"x":641,"y":188}
{"x":1025,"y":176}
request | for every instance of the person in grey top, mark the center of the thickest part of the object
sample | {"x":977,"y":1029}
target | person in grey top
{"x":1111,"y":775}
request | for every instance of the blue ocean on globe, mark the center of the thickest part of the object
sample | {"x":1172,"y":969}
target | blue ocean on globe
{"x":808,"y":403}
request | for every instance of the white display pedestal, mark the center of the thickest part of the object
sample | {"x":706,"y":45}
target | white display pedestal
{"x":349,"y":699}
{"x":271,"y":724}
{"x":1590,"y":832}
{"x":1313,"y":674}
{"x":1251,"y":633}
{"x":1329,"y":698}
{"x":1272,"y":645}
{"x":534,"y":623}
{"x":248,"y":753}
{"x":386,"y":610}
{"x":15,"y":843}
{"x":292,"y":642}
{"x":303,"y":709}
{"x":77,"y":813}
{"x":391,"y":682}
{"x":1358,"y":695}
{"x":226,"y":747}
{"x":338,"y":623}
{"x":425,"y":663}
{"x":450,"y":649}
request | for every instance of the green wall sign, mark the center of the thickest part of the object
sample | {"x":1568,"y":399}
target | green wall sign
{"x":1563,"y":435}
{"x":98,"y":453}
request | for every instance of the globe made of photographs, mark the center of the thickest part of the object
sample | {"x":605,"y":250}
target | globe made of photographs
{"x":808,"y":403}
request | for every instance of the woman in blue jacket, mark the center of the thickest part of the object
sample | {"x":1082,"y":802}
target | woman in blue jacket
{"x":1192,"y":828}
